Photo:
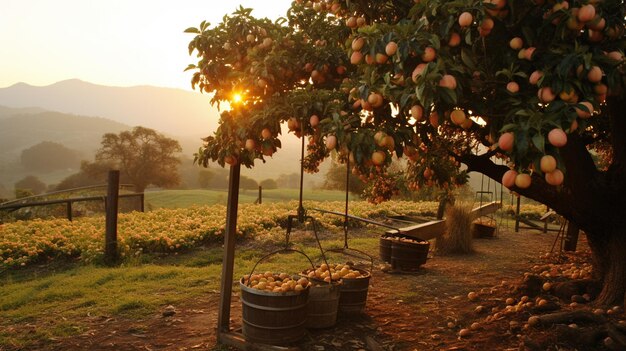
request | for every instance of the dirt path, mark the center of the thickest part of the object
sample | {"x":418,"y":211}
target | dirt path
{"x":422,"y":311}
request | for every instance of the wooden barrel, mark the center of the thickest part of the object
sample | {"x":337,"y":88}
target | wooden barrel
{"x":384,"y":248}
{"x":408,"y":255}
{"x":353,"y":293}
{"x":273,"y":318}
{"x":323,"y":305}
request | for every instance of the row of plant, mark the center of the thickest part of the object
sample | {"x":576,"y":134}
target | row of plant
{"x":530,"y":212}
{"x":24,"y":243}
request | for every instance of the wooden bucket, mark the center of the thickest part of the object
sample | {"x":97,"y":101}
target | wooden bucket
{"x":323,"y":305}
{"x":353,"y":294}
{"x":273,"y":318}
{"x":408,"y":255}
{"x":384,"y":248}
{"x":482,"y":230}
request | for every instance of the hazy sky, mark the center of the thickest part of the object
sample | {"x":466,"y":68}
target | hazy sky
{"x":110,"y":42}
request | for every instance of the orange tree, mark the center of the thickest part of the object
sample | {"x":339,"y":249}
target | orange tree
{"x":443,"y":83}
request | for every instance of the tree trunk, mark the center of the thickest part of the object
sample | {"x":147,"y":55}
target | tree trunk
{"x":592,"y":199}
{"x":609,"y":256}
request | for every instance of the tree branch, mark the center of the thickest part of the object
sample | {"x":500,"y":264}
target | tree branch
{"x":539,"y":190}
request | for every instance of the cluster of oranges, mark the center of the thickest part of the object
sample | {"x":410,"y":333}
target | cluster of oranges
{"x":276,"y":282}
{"x":336,"y":272}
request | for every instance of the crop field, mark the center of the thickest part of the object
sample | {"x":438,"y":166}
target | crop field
{"x":199,"y":197}
{"x":24,"y":243}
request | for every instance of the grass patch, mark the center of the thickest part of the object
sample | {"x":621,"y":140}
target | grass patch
{"x":133,"y":306}
{"x":59,"y":301}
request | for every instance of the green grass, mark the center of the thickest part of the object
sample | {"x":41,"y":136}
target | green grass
{"x":188,"y":198}
{"x":58,"y":299}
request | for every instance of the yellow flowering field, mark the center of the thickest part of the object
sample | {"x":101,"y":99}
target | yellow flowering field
{"x":172,"y":230}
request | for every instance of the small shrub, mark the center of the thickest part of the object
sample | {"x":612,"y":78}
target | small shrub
{"x":458,"y":236}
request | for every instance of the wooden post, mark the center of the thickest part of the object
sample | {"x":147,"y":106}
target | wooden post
{"x":571,"y":237}
{"x":260,"y":194}
{"x":69,"y":211}
{"x":228,"y":260}
{"x":519,"y":199}
{"x":142,"y":198}
{"x":110,"y":239}
{"x":441,"y":208}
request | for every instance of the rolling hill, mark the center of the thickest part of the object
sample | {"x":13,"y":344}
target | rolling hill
{"x":173,"y":111}
{"x":81,"y":133}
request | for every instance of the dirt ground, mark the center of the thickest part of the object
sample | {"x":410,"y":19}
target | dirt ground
{"x":424,"y":310}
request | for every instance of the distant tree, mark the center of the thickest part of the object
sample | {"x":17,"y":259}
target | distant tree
{"x":48,"y":156}
{"x":335,"y":179}
{"x":204,"y":178}
{"x":4,"y":193}
{"x":219,"y":180}
{"x":269,"y":184}
{"x":143,"y":156}
{"x":32,"y":184}
{"x":91,"y":173}
{"x":247,"y":183}
{"x":289,"y":180}
{"x":189,"y":174}
{"x":21,"y":193}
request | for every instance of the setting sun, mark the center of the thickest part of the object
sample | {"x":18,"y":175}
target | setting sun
{"x":237,"y":98}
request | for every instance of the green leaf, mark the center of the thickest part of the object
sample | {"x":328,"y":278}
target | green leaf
{"x":508,"y":127}
{"x":467,"y":59}
{"x":539,"y":142}
{"x":448,"y":95}
{"x":192,"y":30}
{"x":521,"y":142}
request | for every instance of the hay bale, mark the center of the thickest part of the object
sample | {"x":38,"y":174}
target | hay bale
{"x":458,"y":236}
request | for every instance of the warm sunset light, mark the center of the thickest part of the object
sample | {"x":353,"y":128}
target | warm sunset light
{"x":121,"y":43}
{"x":237,"y":98}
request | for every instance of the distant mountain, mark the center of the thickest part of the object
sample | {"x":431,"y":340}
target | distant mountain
{"x":20,"y":131}
{"x":75,"y":132}
{"x":26,"y":119}
{"x":168,"y":110}
{"x":10,"y":112}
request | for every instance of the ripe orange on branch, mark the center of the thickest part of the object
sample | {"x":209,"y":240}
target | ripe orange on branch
{"x":508,"y":179}
{"x":391,"y":48}
{"x":465,"y":19}
{"x":523,"y":180}
{"x":557,"y":137}
{"x":331,"y":142}
{"x":458,"y":117}
{"x":547,"y":164}
{"x":505,"y":142}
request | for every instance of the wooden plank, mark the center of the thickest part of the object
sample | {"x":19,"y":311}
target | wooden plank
{"x":433,"y":229}
{"x":424,"y":231}
{"x":486,"y":209}
{"x":238,"y":341}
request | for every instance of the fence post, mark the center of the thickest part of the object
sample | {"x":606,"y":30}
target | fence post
{"x":260,"y":194}
{"x":228,"y":260}
{"x":69,"y":211}
{"x":571,"y":237}
{"x":110,"y":241}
